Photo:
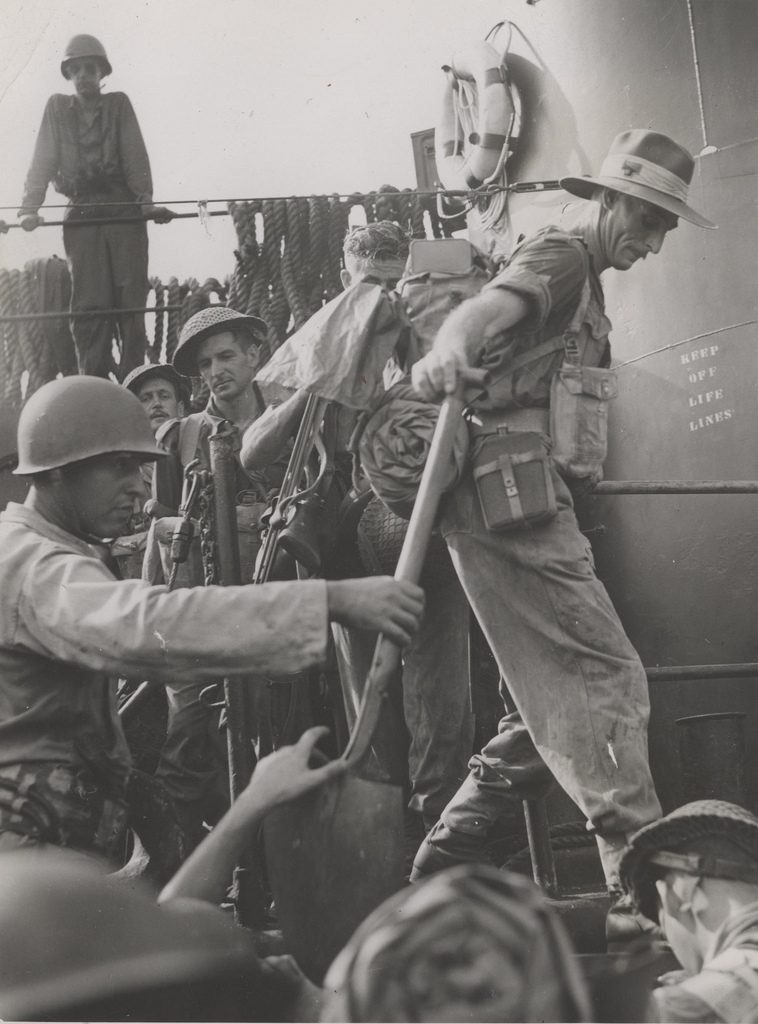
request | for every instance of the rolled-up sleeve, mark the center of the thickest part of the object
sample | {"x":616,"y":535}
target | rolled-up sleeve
{"x":71,"y":608}
{"x":545,"y":274}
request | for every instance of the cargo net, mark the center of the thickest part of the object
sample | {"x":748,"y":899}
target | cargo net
{"x":380,"y":539}
{"x":33,"y":352}
{"x":288,"y":264}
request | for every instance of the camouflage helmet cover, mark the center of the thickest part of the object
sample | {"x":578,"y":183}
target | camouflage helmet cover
{"x":209,"y":321}
{"x":667,"y":838}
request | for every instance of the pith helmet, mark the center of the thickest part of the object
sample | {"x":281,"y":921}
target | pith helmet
{"x":75,"y":418}
{"x":649,"y":166}
{"x":85,"y":46}
{"x":661,"y":844}
{"x":209,"y":321}
{"x":164,"y":371}
{"x":71,"y":934}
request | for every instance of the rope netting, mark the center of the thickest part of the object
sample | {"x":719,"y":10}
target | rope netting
{"x":289,"y":253}
{"x":33,"y":352}
{"x":288,"y":263}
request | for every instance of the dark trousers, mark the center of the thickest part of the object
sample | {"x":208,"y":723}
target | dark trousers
{"x":108,"y":264}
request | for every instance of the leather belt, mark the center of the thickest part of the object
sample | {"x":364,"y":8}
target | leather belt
{"x":515,"y":421}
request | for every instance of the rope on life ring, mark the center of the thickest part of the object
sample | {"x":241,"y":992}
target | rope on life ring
{"x":471,"y":156}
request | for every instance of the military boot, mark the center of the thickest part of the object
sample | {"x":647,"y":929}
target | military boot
{"x":461,"y":834}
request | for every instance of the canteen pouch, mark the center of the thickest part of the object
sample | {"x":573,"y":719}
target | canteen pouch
{"x":579,"y":419}
{"x":513,"y":481}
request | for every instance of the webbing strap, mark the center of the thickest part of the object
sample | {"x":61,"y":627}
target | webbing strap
{"x":552,"y":344}
{"x":503,"y":464}
{"x":571,"y":334}
{"x":189,"y":436}
{"x":490,"y":141}
{"x":703,"y":865}
{"x":511,"y":490}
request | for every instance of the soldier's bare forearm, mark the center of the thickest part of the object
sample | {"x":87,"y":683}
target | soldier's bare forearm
{"x":468,"y":328}
{"x":462,"y":338}
{"x":267,"y":437}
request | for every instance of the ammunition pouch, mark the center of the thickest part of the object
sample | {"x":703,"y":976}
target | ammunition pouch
{"x":579,"y":419}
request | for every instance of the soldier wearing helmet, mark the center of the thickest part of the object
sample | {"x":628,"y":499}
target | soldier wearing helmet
{"x":224,"y":348}
{"x":91,"y":147}
{"x":68,"y":625}
{"x":163,"y":392}
{"x":695,"y":872}
{"x":165,"y":396}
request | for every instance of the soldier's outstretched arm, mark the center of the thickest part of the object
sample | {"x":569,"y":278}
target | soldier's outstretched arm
{"x":462,"y":338}
{"x":379,"y":604}
{"x":71,"y":608}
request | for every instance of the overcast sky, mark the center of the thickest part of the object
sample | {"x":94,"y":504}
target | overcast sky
{"x":240,"y":98}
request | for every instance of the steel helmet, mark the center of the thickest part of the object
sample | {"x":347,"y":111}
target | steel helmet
{"x":85,"y":46}
{"x":164,"y":371}
{"x":70,"y":934}
{"x":209,"y":321}
{"x":661,"y":842}
{"x":75,"y":418}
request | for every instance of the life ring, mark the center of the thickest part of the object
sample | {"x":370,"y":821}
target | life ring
{"x":468,"y":163}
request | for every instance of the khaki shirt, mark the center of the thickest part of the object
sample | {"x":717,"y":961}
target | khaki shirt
{"x":548,"y":270}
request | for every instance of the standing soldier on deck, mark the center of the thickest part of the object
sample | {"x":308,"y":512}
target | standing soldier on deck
{"x":90,"y":146}
{"x":580,"y":691}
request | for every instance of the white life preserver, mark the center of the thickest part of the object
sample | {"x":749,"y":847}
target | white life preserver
{"x":468,"y":163}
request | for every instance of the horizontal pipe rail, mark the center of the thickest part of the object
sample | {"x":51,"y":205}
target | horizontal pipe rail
{"x":515,"y":186}
{"x":17,"y":317}
{"x":671,"y":673}
{"x":676,"y":487}
{"x":90,"y":222}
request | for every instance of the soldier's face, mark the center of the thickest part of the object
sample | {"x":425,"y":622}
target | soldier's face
{"x":634,"y":229}
{"x":160,"y":402}
{"x":101,"y":493}
{"x":677,"y":920}
{"x":226,"y":366}
{"x":86,"y":73}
